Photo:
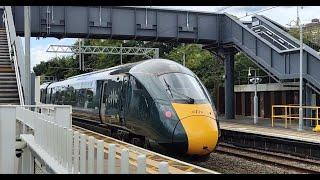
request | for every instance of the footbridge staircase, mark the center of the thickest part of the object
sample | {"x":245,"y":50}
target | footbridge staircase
{"x":11,"y":62}
{"x":273,"y":49}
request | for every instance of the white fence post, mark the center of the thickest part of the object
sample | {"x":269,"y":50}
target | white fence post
{"x":100,"y":156}
{"x":83,"y":157}
{"x":163,"y":168}
{"x":76,"y":152}
{"x":47,"y":134}
{"x":56,"y":141}
{"x":51,"y":138}
{"x":124,"y":161}
{"x":64,"y":145}
{"x":141,"y":163}
{"x":111,"y":158}
{"x":35,"y":127}
{"x":59,"y":144}
{"x":27,"y":162}
{"x":39,"y":129}
{"x":7,"y":138}
{"x":91,"y":141}
{"x":63,"y":114}
{"x":69,"y":149}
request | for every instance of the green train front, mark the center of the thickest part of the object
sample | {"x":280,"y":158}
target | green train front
{"x":157,"y":99}
{"x":181,"y":113}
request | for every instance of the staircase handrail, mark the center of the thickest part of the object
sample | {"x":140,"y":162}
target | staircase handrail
{"x":260,"y":38}
{"x":12,"y":43}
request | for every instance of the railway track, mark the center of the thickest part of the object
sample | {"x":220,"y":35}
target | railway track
{"x":284,"y":161}
{"x":153,"y":159}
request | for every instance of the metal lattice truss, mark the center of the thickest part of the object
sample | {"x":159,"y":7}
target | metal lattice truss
{"x":148,"y":52}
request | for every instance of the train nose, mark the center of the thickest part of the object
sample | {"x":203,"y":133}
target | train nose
{"x":201,"y":133}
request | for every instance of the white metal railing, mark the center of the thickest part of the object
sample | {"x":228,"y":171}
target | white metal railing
{"x":52,"y":141}
{"x":15,"y":49}
{"x":58,"y":114}
{"x":279,"y":38}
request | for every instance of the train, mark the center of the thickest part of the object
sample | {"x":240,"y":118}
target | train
{"x":151,"y":103}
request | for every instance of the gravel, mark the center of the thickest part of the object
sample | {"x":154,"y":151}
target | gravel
{"x":228,"y":164}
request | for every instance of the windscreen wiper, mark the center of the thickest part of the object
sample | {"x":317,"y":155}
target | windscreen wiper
{"x":190,"y":99}
{"x":168,"y":86}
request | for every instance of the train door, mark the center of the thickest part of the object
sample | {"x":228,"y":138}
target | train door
{"x":111,"y":101}
{"x":137,"y":110}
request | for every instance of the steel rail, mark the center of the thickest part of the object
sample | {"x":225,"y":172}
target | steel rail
{"x":277,"y":159}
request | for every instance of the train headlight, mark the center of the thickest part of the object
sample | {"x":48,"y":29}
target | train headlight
{"x":167,"y":111}
{"x":168,"y":114}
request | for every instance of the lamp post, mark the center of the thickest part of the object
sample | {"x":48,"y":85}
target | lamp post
{"x":254,"y":81}
{"x":299,"y":24}
{"x":300,"y":89}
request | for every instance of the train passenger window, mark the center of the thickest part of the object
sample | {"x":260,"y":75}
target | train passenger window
{"x":72,"y":96}
{"x":56,"y":96}
{"x":89,"y":99}
{"x":63,"y":96}
{"x":49,"y":96}
{"x":81,"y":97}
{"x":42,"y":95}
{"x":68,"y":94}
{"x":77,"y":102}
{"x":136,"y":85}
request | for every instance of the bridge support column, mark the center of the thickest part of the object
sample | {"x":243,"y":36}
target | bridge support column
{"x":27,"y":35}
{"x":229,"y":84}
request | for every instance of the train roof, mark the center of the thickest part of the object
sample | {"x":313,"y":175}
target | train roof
{"x":151,"y":66}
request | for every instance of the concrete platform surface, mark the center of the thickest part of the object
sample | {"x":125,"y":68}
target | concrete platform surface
{"x":263,"y":127}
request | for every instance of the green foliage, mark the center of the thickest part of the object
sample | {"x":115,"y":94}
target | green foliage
{"x":242,"y":64}
{"x":60,"y":67}
{"x":311,"y":36}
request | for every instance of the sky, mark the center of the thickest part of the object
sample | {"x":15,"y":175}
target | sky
{"x":281,"y":14}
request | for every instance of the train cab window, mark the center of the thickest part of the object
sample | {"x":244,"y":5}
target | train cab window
{"x":89,"y":99}
{"x":183,"y":88}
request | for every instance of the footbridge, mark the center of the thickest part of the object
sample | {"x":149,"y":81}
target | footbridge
{"x":266,"y":42}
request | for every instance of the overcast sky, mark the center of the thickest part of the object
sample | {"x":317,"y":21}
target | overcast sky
{"x":283,"y":15}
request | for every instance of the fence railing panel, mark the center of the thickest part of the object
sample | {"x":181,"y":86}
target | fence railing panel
{"x":290,"y":112}
{"x":61,"y":149}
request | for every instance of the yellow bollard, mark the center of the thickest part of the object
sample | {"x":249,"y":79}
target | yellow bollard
{"x":316,"y":129}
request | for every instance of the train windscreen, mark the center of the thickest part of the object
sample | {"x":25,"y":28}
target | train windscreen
{"x":183,"y":88}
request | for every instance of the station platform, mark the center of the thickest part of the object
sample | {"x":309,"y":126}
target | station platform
{"x":241,"y":131}
{"x":263,"y":127}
